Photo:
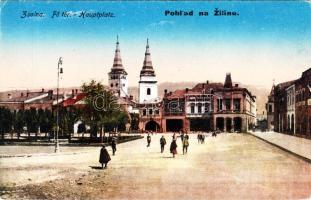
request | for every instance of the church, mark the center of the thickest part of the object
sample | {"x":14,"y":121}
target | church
{"x":205,"y":107}
{"x":148,"y":105}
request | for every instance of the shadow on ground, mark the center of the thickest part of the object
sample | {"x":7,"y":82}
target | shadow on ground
{"x":96,"y":167}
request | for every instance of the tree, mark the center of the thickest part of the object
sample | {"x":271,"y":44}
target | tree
{"x":32,"y":121}
{"x":68,"y":116}
{"x":19,"y":122}
{"x":6,"y":121}
{"x":134,"y":121}
{"x":101,"y":107}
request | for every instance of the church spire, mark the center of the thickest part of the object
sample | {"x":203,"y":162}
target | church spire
{"x":147,"y":69}
{"x":117,"y":61}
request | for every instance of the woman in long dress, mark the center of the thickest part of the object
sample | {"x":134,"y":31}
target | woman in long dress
{"x":173,"y":148}
{"x":104,"y":156}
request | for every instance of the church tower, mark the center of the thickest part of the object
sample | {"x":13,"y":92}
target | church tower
{"x":148,"y":89}
{"x":118,"y":76}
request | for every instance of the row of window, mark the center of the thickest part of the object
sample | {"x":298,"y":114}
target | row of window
{"x":302,"y":95}
{"x":199,"y":106}
{"x":116,"y":85}
{"x":150,"y":112}
{"x":225,"y":104}
{"x":114,"y":77}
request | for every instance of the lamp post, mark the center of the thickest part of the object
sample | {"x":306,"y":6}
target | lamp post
{"x":59,"y":71}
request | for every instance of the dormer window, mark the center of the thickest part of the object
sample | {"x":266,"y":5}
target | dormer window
{"x":148,"y":91}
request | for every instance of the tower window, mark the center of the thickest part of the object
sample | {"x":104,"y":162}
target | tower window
{"x":148,"y":91}
{"x":117,"y":84}
{"x":111,"y":85}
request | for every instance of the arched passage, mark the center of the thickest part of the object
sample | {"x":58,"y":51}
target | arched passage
{"x":228,"y":124}
{"x":220,"y":123}
{"x":237,"y":124}
{"x":152,"y":126}
{"x":174,"y":125}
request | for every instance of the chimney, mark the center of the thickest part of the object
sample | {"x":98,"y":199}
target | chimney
{"x":42,"y":90}
{"x":165,"y":91}
{"x":207,"y":82}
{"x":76,"y":91}
{"x":22,"y":94}
{"x":187,"y":90}
{"x":236,"y":85}
{"x":27,"y":94}
{"x":72,"y":92}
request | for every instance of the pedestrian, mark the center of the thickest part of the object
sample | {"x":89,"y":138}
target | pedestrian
{"x":174,"y":136}
{"x":187,"y":136}
{"x":148,"y":140}
{"x":173,"y":148}
{"x":182,"y":136}
{"x":113,"y":146}
{"x":185,"y":145}
{"x":104,"y":156}
{"x":214,"y":134}
{"x":199,"y":137}
{"x":202,"y":138}
{"x":162,"y":143}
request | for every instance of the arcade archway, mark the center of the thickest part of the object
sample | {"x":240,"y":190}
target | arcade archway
{"x":220,"y":123}
{"x":152,"y":126}
{"x":237,"y":124}
{"x":174,"y":125}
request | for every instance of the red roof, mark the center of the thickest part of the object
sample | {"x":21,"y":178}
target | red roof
{"x":73,"y":100}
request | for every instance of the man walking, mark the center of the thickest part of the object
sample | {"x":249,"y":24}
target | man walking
{"x":162,"y":143}
{"x":113,"y":146}
{"x":185,"y":145}
{"x":148,"y":140}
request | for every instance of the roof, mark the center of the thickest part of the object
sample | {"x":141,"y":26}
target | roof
{"x":117,"y":67}
{"x":73,"y":100}
{"x":207,"y":86}
{"x":125,"y":101}
{"x":284,"y":85}
{"x":147,"y":69}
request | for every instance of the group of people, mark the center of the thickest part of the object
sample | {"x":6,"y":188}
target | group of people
{"x":173,"y":146}
{"x":104,"y":157}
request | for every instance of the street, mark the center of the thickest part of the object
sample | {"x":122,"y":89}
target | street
{"x":230,"y":166}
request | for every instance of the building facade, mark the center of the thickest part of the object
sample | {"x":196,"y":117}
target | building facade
{"x":292,"y":103}
{"x":207,"y":107}
{"x":270,"y":110}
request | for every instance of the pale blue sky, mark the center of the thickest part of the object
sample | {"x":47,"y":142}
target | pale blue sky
{"x":268,"y":40}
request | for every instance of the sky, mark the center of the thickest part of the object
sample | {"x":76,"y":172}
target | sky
{"x":268,"y":40}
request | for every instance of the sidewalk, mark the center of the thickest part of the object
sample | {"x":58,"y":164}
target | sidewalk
{"x":300,"y":147}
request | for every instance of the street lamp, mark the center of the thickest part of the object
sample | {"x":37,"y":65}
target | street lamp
{"x":59,"y":71}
